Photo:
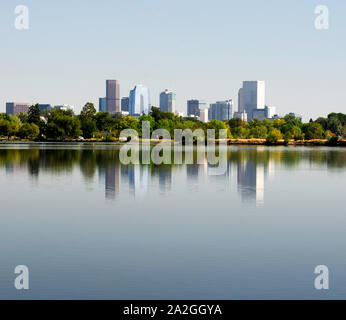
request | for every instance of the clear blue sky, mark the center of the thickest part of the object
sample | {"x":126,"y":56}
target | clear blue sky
{"x":200,"y":49}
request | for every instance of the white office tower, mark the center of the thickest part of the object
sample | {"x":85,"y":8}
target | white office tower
{"x":204,"y":115}
{"x":139,"y":101}
{"x":270,"y":112}
{"x":252,"y":97}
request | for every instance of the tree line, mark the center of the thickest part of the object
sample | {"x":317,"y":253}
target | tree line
{"x":62,"y":125}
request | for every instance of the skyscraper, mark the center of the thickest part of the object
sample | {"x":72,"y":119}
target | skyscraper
{"x":44,"y":107}
{"x":270,"y":112}
{"x":16,"y":107}
{"x":167,"y":101}
{"x":204,"y":115}
{"x":139,"y":101}
{"x":113,"y":96}
{"x":103,"y":104}
{"x":193,"y":108}
{"x":221,"y":110}
{"x":240,"y":100}
{"x":252,"y":97}
{"x":125,"y":104}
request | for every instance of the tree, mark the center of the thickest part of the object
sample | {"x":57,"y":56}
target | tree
{"x":4,"y":127}
{"x":274,"y":136}
{"x":147,"y":118}
{"x":235,"y":123}
{"x":104,"y":122}
{"x":259,"y":132}
{"x":23,"y":117}
{"x":88,"y":127}
{"x":335,"y":126}
{"x":217,"y":126}
{"x":34,"y":114}
{"x":62,"y":124}
{"x":88,"y":111}
{"x":88,"y":120}
{"x":29,"y":131}
{"x":158,"y":115}
{"x":128,"y":122}
{"x":313,"y":130}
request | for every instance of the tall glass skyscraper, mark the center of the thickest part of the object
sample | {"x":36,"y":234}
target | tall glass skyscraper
{"x":125,"y":104}
{"x":113,"y":96}
{"x":167,"y":101}
{"x":103,"y":104}
{"x":139,"y":101}
{"x":193,"y":108}
{"x":252,"y":97}
{"x":221,"y":110}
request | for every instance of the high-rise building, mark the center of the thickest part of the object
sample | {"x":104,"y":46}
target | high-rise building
{"x":103,"y":104}
{"x":259,"y":114}
{"x":167,"y":101}
{"x":113,"y":96}
{"x":203,"y":105}
{"x":125,"y":104}
{"x":221,"y":110}
{"x":204,"y":115}
{"x":240,"y":115}
{"x":193,"y":108}
{"x":252,"y":97}
{"x":240,"y":100}
{"x":139,"y":101}
{"x":17,"y":107}
{"x":44,"y":107}
{"x":270,"y":112}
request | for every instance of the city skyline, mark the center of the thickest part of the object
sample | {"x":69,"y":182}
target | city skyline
{"x":304,"y":67}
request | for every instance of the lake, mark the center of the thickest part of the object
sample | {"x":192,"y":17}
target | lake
{"x":88,"y":227}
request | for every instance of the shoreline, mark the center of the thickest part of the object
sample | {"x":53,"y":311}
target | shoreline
{"x":246,"y":142}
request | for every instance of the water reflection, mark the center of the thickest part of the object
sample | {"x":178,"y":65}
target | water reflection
{"x":252,"y":166}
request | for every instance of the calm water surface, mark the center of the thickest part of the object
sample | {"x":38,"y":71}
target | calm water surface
{"x":88,"y":227}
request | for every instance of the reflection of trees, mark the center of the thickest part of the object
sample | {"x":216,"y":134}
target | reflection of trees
{"x":57,"y":161}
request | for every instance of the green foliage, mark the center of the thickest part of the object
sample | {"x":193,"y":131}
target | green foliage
{"x":259,"y":132}
{"x":146,"y":118}
{"x":88,"y":120}
{"x":104,"y":122}
{"x":236,"y":122}
{"x":88,"y":127}
{"x":274,"y":136}
{"x":88,"y":111}
{"x":29,"y":131}
{"x":313,"y":130}
{"x":34,"y":114}
{"x":4,"y":127}
{"x":61,"y":125}
{"x":158,"y":115}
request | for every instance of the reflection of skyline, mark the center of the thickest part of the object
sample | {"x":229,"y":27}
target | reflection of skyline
{"x":251,"y":181}
{"x":112,"y":181}
{"x":251,"y":177}
{"x":248,"y":169}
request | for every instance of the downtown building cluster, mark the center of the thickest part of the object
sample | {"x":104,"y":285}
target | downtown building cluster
{"x":251,"y":104}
